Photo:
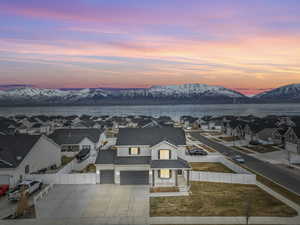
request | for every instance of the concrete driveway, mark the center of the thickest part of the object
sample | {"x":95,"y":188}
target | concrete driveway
{"x":109,"y":204}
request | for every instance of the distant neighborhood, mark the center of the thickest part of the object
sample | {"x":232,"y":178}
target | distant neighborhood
{"x":156,"y":152}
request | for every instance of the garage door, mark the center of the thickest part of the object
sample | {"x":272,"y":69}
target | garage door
{"x":4,"y":179}
{"x":107,"y":177}
{"x":134,"y":177}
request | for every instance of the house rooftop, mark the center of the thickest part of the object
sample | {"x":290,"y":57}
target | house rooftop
{"x":75,"y":136}
{"x":14,"y":148}
{"x":150,"y":136}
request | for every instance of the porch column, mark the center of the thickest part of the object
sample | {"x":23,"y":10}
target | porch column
{"x":188,"y":177}
{"x":153,"y":180}
{"x":176,"y":177}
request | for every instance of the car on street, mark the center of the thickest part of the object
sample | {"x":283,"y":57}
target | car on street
{"x":239,"y":159}
{"x":83,"y":155}
{"x":4,"y":189}
{"x":197,"y":152}
{"x":29,"y":186}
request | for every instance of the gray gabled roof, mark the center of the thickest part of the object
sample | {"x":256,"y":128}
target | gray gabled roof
{"x":75,"y":136}
{"x":151,"y":136}
{"x":110,"y":157}
{"x":14,"y":148}
{"x":106,"y":157}
{"x":179,"y":163}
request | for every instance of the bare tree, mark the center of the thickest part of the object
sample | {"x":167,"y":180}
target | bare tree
{"x":248,"y":208}
{"x":23,"y":204}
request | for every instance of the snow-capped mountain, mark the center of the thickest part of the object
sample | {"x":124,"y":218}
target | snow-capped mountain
{"x":289,"y":92}
{"x":186,"y":92}
{"x":49,"y":95}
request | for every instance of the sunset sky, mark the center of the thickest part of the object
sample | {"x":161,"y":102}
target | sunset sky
{"x":249,"y":46}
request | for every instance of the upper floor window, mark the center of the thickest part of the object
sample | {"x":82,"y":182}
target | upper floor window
{"x":134,"y":151}
{"x":87,"y":147}
{"x":27,"y":169}
{"x":164,"y":154}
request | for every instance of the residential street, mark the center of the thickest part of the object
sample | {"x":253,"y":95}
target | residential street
{"x":283,"y":176}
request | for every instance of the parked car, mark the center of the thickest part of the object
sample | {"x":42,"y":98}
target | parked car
{"x":83,"y":154}
{"x":4,"y":189}
{"x":197,"y":152}
{"x":254,"y":143}
{"x":30,"y":187}
{"x":239,"y":159}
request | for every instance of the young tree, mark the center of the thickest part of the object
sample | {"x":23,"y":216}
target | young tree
{"x":248,"y":208}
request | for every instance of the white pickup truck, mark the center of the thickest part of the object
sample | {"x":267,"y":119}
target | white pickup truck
{"x":30,"y":187}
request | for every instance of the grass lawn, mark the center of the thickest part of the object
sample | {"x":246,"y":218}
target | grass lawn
{"x":65,"y":160}
{"x":242,"y":150}
{"x":209,"y":149}
{"x":220,"y":199}
{"x":91,"y":168}
{"x":210,"y":167}
{"x":230,"y":138}
{"x":263,"y":148}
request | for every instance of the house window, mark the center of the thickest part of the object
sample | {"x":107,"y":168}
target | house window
{"x":27,"y":169}
{"x":164,"y":154}
{"x":164,"y":174}
{"x":86,"y":147}
{"x":134,"y":151}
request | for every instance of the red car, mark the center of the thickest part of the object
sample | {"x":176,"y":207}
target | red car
{"x":4,"y":189}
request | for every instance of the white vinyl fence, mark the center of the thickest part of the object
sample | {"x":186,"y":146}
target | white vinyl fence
{"x":74,"y":178}
{"x":223,"y":177}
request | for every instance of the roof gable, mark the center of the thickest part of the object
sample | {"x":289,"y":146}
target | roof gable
{"x":14,"y":148}
{"x":151,"y":136}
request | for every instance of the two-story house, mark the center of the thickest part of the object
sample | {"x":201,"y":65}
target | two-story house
{"x":292,"y":144}
{"x":24,"y":154}
{"x":72,"y":141}
{"x":153,"y":156}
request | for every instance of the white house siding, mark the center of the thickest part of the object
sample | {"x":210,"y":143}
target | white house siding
{"x":292,"y":147}
{"x":294,"y":150}
{"x":124,"y":150}
{"x":44,"y":154}
{"x":163,"y":146}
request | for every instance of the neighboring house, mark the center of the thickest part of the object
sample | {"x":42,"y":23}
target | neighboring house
{"x":266,"y":136}
{"x":153,"y":156}
{"x":72,"y":141}
{"x":190,"y":122}
{"x":292,"y":144}
{"x":25,"y":154}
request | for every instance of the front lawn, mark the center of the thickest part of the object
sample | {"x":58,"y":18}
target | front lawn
{"x":263,"y":148}
{"x":220,"y":199}
{"x":229,"y":138}
{"x":242,"y":150}
{"x":210,"y":167}
{"x":65,"y":160}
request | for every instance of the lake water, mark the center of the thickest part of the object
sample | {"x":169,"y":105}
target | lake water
{"x":175,"y":111}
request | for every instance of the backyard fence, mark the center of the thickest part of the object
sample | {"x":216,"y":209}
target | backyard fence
{"x":223,"y":177}
{"x":75,"y":178}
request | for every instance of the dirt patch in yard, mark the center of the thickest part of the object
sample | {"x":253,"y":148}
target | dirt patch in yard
{"x":229,"y":139}
{"x":164,"y":189}
{"x":210,"y":167}
{"x":243,"y":150}
{"x":205,"y":147}
{"x":220,"y":199}
{"x":262,"y":148}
